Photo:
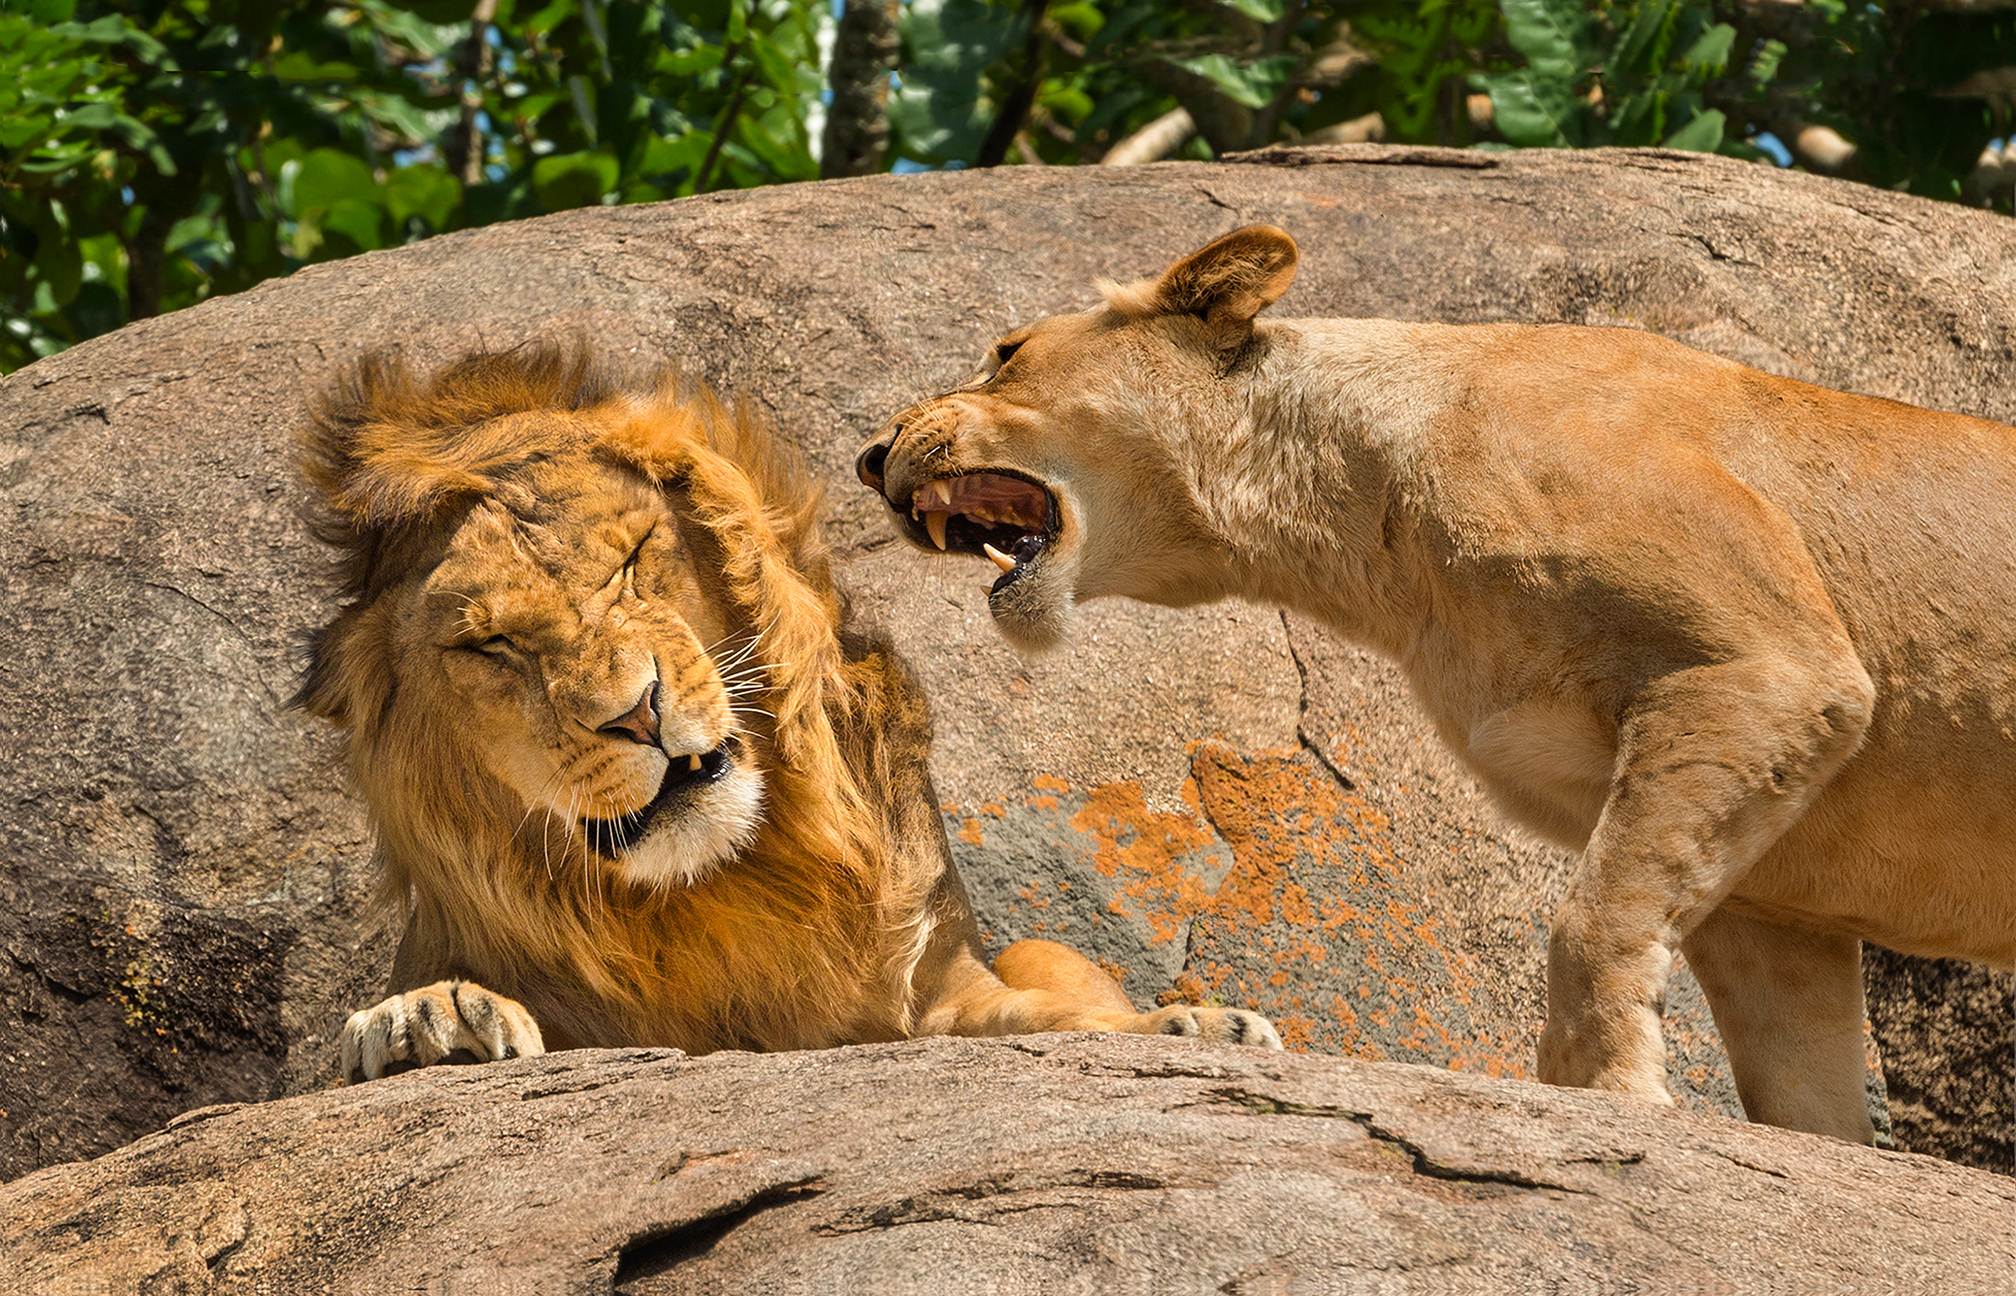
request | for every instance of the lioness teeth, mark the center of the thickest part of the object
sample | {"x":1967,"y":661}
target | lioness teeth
{"x":1001,"y":560}
{"x":938,"y":494}
{"x":934,"y":522}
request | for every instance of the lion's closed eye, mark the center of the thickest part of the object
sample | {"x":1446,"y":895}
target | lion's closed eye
{"x":497,"y":647}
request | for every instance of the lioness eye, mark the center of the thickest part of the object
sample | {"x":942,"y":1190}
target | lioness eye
{"x":499,"y":646}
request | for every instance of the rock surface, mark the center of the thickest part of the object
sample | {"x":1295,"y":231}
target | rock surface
{"x":1045,"y":1164}
{"x":1221,"y":803}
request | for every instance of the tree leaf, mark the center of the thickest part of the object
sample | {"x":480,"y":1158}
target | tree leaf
{"x":325,"y":177}
{"x":423,"y":191}
{"x":1636,"y":40}
{"x":1532,"y":111}
{"x":360,"y":223}
{"x":1264,"y":11}
{"x":1551,"y":34}
{"x":1253,"y":84}
{"x":939,"y":108}
{"x":1702,"y":133}
{"x":567,"y":180}
{"x":1708,"y":56}
{"x":59,"y":266}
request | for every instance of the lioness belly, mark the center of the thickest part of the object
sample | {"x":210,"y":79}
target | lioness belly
{"x":1908,"y":847}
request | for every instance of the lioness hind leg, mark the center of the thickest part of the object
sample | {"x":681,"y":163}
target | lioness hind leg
{"x":425,"y":1026}
{"x":1714,"y":764}
{"x":1788,"y":1002}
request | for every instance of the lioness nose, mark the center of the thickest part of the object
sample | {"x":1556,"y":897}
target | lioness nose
{"x":868,"y":466}
{"x":640,"y":722}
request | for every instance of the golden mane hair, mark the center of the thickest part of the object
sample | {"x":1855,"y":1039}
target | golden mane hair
{"x":808,"y":936}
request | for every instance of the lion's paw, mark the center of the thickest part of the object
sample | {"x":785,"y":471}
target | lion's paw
{"x":1216,"y":1025}
{"x":425,"y":1026}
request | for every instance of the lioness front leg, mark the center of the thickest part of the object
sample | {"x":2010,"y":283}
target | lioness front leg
{"x":1714,"y":764}
{"x":1039,"y":985}
{"x":421,"y":1027}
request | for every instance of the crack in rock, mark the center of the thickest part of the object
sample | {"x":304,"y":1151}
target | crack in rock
{"x":655,"y":1251}
{"x":1302,"y":735}
{"x":1424,"y":1163}
{"x":944,"y":1204}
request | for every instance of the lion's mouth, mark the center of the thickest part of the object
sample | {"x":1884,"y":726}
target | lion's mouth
{"x":685,"y":777}
{"x":1003,"y":516}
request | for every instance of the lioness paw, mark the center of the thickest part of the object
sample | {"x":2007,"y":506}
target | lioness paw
{"x":1216,"y":1025}
{"x":424,"y":1026}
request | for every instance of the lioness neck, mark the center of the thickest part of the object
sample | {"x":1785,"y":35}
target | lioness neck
{"x":1309,"y":489}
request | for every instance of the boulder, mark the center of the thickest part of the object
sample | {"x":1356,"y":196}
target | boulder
{"x":940,"y":1167}
{"x":1221,"y":804}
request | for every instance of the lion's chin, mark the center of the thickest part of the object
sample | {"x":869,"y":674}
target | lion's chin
{"x":681,"y":849}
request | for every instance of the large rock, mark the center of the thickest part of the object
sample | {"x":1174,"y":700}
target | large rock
{"x":1047,"y":1164}
{"x":1221,"y":803}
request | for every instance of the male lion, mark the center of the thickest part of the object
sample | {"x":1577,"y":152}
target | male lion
{"x":1745,"y":643}
{"x":631,"y":781}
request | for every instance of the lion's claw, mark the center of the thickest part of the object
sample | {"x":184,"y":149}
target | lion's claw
{"x":444,"y":1022}
{"x":1215,"y":1025}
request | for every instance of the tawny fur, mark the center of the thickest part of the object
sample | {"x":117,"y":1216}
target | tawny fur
{"x":1745,"y":643}
{"x":494,"y":503}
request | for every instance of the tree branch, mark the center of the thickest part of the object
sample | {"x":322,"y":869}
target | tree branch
{"x":1153,"y":142}
{"x":464,"y":150}
{"x":727,"y":123}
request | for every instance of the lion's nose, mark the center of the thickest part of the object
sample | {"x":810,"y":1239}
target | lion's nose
{"x":869,"y":464}
{"x":640,"y":722}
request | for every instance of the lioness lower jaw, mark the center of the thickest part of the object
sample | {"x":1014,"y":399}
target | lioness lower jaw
{"x":1034,"y":612}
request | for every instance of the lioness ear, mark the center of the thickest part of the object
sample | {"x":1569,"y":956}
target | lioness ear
{"x":1229,"y":281}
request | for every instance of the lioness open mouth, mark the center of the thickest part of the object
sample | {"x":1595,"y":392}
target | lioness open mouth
{"x":1007,"y":518}
{"x":684,"y":775}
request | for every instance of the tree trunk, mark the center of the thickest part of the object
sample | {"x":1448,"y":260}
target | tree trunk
{"x":856,"y":140}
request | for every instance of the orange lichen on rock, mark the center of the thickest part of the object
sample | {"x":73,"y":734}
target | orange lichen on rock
{"x":1146,"y":853}
{"x":1312,"y":919}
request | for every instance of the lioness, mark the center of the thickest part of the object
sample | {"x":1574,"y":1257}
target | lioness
{"x":1745,"y":643}
{"x":631,"y":781}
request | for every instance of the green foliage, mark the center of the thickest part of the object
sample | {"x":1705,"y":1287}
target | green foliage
{"x":1635,"y":73}
{"x":156,"y":152}
{"x":152,"y":154}
{"x":1917,"y":92}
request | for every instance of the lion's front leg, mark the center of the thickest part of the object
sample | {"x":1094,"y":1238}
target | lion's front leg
{"x":1715,"y":763}
{"x":1216,"y":1025}
{"x":424,"y":1026}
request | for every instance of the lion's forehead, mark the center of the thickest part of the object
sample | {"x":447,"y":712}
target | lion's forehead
{"x":540,"y":564}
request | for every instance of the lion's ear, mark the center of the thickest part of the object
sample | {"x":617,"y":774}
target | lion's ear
{"x":1230,"y":280}
{"x":345,"y":681}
